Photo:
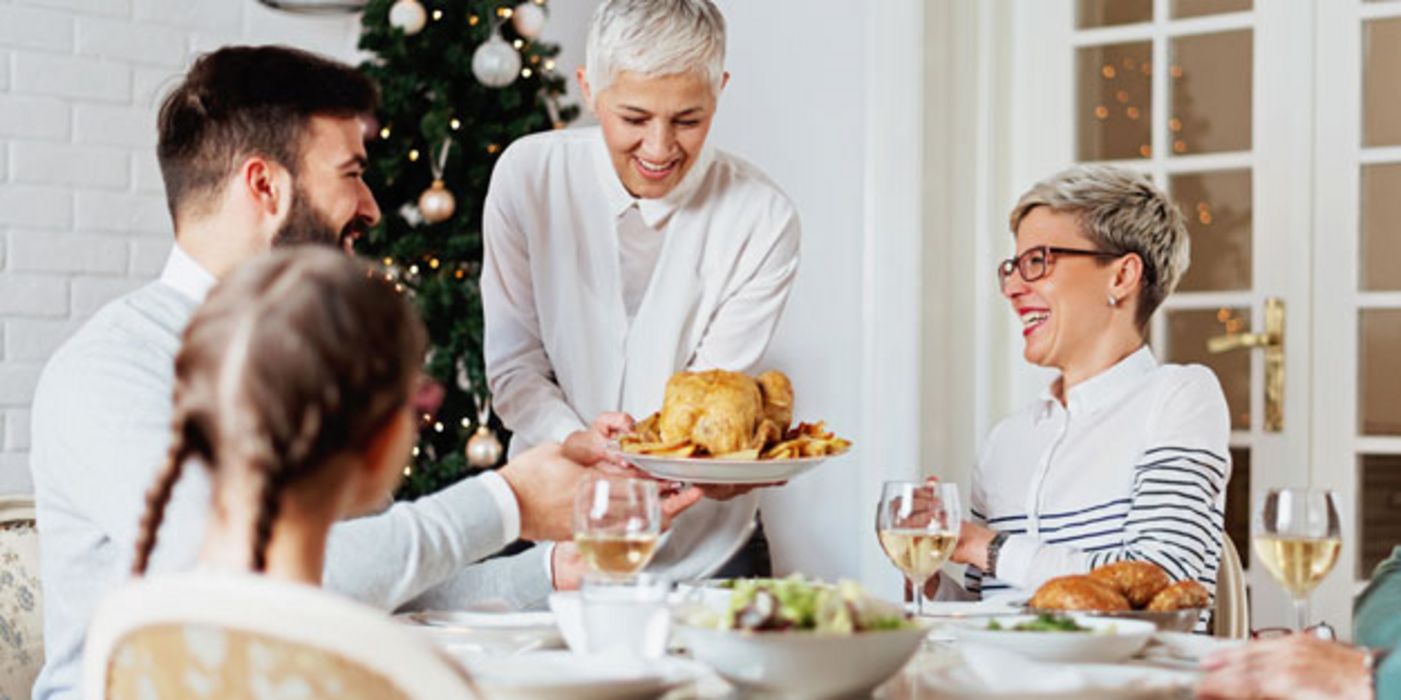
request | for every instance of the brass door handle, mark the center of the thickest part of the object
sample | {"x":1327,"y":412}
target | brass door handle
{"x":1237,"y":341}
{"x":1272,"y":342}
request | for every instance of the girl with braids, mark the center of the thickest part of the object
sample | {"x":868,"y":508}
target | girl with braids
{"x":292,"y":387}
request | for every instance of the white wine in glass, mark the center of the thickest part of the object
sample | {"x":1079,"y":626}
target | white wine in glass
{"x":624,"y":553}
{"x":1298,"y":538}
{"x":918,"y":525}
{"x":917,"y":553}
{"x":617,"y":522}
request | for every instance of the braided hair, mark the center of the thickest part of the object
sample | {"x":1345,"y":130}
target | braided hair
{"x":298,"y":357}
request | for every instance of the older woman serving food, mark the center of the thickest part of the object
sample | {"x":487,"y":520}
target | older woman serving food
{"x":1122,"y":458}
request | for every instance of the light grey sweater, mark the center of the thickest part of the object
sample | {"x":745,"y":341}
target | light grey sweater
{"x":101,"y":427}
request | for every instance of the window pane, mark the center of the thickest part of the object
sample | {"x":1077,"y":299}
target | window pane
{"x":1188,"y":332}
{"x":1381,"y":82}
{"x":1380,"y":213}
{"x":1114,"y":102}
{"x":1381,"y":510}
{"x":1217,"y":207}
{"x":1378,"y":381}
{"x":1197,"y":8}
{"x":1238,"y":503}
{"x":1211,"y":79}
{"x":1105,"y":13}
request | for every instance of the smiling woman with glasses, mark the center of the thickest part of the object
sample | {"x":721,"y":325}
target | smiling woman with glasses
{"x":1121,"y":458}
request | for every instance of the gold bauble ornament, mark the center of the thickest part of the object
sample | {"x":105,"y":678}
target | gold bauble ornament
{"x":437,"y":203}
{"x":483,"y":448}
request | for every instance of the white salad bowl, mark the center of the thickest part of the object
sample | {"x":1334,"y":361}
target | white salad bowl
{"x":804,"y":664}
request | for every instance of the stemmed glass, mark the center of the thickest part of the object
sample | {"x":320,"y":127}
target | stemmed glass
{"x":616,"y":523}
{"x":918,"y":525}
{"x":1297,"y":537}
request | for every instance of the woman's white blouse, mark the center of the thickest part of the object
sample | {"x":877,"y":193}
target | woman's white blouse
{"x":1133,"y":466}
{"x":560,"y":345}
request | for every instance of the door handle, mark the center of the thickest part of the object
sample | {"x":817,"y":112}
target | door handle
{"x":1272,"y":342}
{"x":1237,"y":341}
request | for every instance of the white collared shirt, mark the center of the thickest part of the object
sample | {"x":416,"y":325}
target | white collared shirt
{"x":561,"y":346}
{"x":1133,"y":466}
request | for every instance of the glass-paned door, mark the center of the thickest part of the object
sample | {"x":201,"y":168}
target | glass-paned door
{"x":1210,"y":98}
{"x":1357,"y":233}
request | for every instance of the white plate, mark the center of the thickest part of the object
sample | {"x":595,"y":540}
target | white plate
{"x":697,"y":470}
{"x":487,"y":632}
{"x":1109,"y":640}
{"x":561,"y":675}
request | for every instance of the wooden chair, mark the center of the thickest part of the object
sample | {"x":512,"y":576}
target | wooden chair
{"x":1232,"y":604}
{"x":204,"y":635}
{"x":21,"y":611}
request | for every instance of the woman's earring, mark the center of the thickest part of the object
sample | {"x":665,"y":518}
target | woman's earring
{"x":1113,"y":301}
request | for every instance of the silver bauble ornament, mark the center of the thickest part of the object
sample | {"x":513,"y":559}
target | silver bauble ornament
{"x":408,"y":15}
{"x":483,"y":448}
{"x":496,"y":63}
{"x":529,"y":19}
{"x":437,"y":204}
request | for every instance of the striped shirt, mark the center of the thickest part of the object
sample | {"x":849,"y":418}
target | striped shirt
{"x":1133,"y":466}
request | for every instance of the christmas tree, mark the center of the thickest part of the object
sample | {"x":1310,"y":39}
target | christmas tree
{"x":443,"y":121}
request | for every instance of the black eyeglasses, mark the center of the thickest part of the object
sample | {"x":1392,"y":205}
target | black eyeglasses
{"x":1035,"y":263}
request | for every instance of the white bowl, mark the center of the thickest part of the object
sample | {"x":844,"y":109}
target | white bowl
{"x":1109,"y":640}
{"x":805,"y":664}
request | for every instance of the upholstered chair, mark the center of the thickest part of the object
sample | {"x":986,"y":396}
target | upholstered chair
{"x":21,"y":619}
{"x":203,"y":635}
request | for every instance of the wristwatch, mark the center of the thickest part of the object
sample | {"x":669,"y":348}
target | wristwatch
{"x":994,"y":549}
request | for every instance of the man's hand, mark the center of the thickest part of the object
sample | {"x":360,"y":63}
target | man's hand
{"x":568,"y":567}
{"x":544,"y":479}
{"x":1299,"y":667}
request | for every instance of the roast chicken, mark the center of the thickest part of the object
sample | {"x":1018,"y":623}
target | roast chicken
{"x":724,"y":412}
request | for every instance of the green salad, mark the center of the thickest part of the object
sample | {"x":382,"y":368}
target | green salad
{"x":1045,"y":622}
{"x":796,"y":604}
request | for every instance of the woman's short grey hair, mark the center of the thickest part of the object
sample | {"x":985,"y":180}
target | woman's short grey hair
{"x":655,"y":38}
{"x":1122,"y":212}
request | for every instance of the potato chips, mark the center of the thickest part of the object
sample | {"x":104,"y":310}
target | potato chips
{"x":803,"y":440}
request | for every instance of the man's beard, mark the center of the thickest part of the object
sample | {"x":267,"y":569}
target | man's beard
{"x":306,"y":225}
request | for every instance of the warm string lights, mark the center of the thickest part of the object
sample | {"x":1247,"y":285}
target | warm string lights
{"x":1130,"y":77}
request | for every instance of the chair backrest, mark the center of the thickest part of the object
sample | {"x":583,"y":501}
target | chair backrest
{"x":1232,"y":604}
{"x":21,"y":610}
{"x":207,"y":635}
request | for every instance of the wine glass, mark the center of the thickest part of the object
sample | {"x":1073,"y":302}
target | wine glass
{"x":1297,"y":537}
{"x":918,"y":525}
{"x":616,"y":523}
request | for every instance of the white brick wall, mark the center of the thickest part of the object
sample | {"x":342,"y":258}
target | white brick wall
{"x":82,"y":209}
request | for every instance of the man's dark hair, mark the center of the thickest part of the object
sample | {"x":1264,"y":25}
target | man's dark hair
{"x":245,"y":100}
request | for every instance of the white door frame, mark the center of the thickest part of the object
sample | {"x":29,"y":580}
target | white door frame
{"x":890,"y":265}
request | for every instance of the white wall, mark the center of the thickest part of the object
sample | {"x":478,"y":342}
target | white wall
{"x":82,"y":214}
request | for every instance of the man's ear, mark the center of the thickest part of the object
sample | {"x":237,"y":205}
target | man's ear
{"x":268,"y":185}
{"x":725,"y":80}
